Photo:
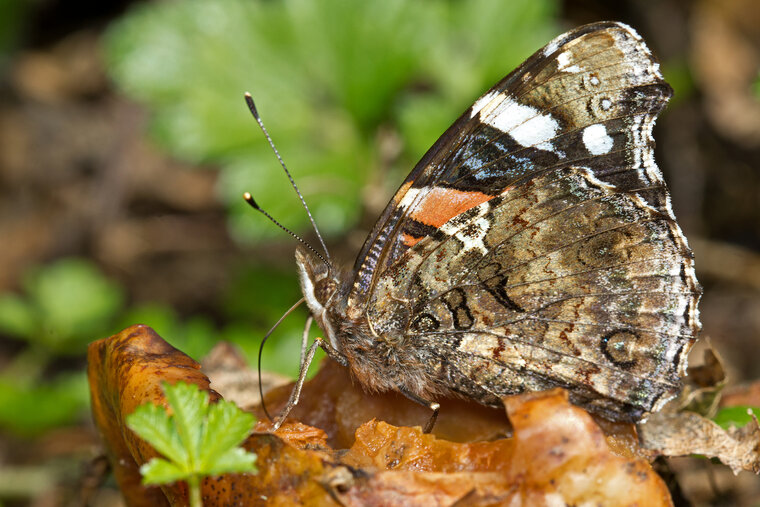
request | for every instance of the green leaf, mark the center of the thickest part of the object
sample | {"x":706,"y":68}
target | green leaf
{"x":198,"y":439}
{"x":227,"y":426}
{"x":235,"y":460}
{"x":737,"y":416}
{"x":153,"y":424}
{"x":29,"y":410}
{"x":74,"y":302}
{"x":190,"y":407}
{"x":162,"y":318}
{"x":17,"y":317}
{"x":160,"y":471}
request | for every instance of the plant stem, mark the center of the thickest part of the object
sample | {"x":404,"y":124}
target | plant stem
{"x":194,"y":485}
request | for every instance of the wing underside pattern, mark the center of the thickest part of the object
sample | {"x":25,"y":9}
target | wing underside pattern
{"x":534,"y":245}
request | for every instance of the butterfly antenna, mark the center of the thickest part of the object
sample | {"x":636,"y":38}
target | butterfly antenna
{"x":261,"y":350}
{"x":249,"y":199}
{"x":255,"y":113}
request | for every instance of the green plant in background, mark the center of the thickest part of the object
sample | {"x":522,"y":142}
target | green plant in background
{"x":65,"y":305}
{"x":199,"y":439}
{"x":195,"y":336}
{"x":327,"y":76}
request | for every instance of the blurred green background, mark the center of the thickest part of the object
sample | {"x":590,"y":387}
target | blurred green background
{"x":125,"y":147}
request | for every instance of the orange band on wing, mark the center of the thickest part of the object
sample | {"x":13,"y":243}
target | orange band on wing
{"x":442,"y":204}
{"x":409,"y":240}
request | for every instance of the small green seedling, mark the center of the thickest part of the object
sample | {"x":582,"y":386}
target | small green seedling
{"x":200,"y":439}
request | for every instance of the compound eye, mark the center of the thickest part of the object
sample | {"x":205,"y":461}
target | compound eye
{"x":324,"y":289}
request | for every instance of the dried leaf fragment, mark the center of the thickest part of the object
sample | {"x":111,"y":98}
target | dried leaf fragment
{"x":685,"y":433}
{"x":557,"y":452}
{"x":556,"y":455}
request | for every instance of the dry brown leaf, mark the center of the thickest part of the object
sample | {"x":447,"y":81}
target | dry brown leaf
{"x":557,"y":453}
{"x":703,"y":385}
{"x":684,"y":427}
{"x":686,"y":433}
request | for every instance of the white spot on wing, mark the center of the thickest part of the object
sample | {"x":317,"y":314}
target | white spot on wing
{"x":596,"y":139}
{"x":563,"y":63}
{"x":553,"y":46}
{"x":482,"y":102}
{"x":525,"y":124}
{"x":470,"y":232}
{"x":473,"y":239}
{"x":409,"y":197}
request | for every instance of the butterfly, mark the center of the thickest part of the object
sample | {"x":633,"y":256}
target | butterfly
{"x":533,"y":246}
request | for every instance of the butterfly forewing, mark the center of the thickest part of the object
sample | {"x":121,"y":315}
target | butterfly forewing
{"x":600,"y":76}
{"x":534,"y":245}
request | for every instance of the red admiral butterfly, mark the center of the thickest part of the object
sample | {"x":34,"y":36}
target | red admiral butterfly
{"x":533,"y":246}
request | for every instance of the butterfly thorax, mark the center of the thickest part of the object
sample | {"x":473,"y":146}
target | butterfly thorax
{"x":378,"y":362}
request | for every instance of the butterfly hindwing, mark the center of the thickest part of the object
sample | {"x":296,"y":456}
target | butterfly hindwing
{"x":562,"y":282}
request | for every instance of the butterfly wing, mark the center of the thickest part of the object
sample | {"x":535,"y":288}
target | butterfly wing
{"x":538,"y":117}
{"x":534,"y":246}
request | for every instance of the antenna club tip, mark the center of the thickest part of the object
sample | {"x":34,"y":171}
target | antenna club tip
{"x":251,"y":105}
{"x":250,"y":200}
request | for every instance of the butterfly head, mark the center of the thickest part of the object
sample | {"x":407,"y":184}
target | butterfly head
{"x":319,"y":286}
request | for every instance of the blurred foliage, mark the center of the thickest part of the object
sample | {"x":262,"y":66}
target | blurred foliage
{"x":64,"y":306}
{"x":194,"y":336}
{"x":12,"y":16}
{"x":244,"y":322}
{"x":258,"y":296}
{"x":678,"y":74}
{"x":737,"y":416}
{"x":30,"y":409}
{"x":326,"y":75}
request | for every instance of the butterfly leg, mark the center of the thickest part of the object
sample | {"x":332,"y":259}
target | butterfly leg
{"x":306,"y":360}
{"x":295,"y":395}
{"x":432,"y":405}
{"x":332,"y":353}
